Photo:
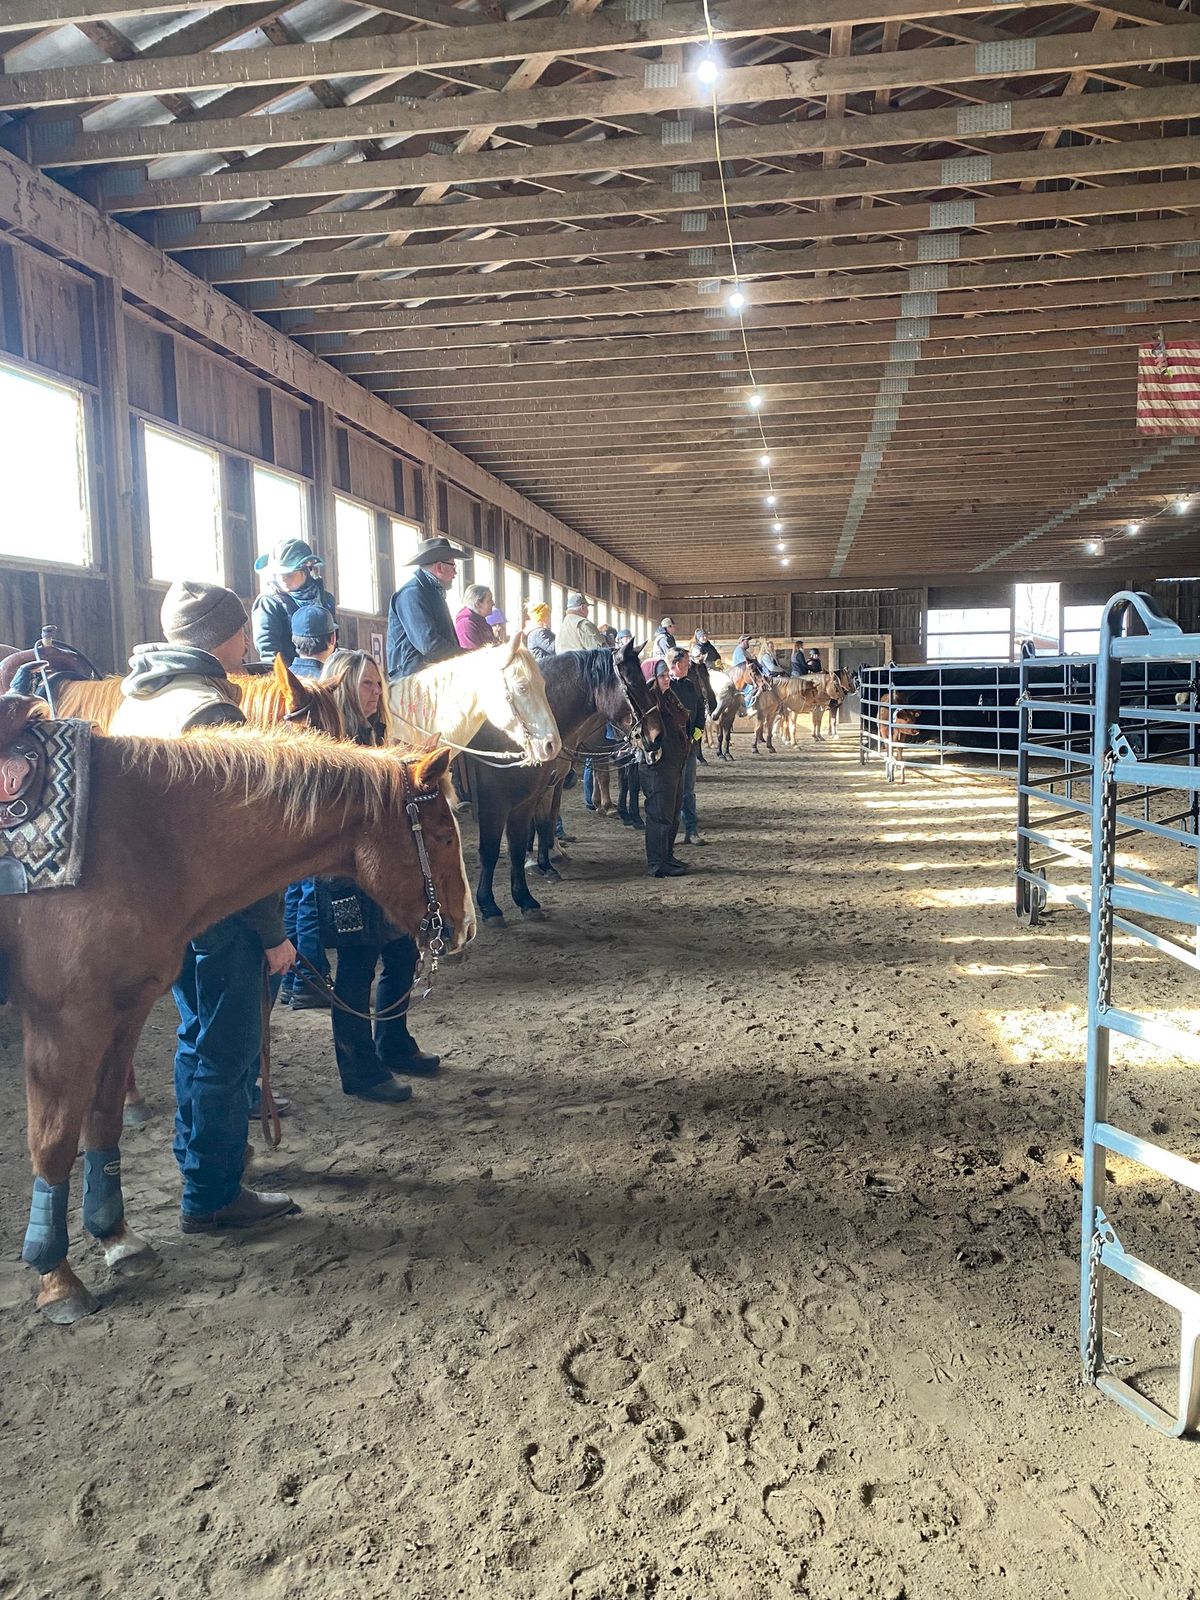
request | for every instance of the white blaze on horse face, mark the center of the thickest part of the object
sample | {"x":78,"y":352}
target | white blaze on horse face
{"x":514,"y":700}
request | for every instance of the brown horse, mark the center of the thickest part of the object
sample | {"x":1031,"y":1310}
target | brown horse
{"x":266,"y":699}
{"x":180,"y":833}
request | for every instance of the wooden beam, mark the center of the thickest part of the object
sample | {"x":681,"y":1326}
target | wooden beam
{"x":753,"y":265}
{"x":560,"y":157}
{"x":789,"y":81}
{"x":53,"y":13}
{"x":373,"y":56}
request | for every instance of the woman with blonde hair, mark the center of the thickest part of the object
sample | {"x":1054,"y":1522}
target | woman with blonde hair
{"x":355,"y":927}
{"x":538,"y":636}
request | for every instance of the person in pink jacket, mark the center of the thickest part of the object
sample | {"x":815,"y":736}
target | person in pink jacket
{"x":471,"y":624}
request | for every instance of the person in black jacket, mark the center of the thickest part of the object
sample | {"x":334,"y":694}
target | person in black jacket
{"x":420,"y":627}
{"x":703,"y":649}
{"x":293,"y":575}
{"x":799,"y":660}
{"x":687,"y":691}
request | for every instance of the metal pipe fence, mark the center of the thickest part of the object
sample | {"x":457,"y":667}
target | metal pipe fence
{"x":923,"y":714}
{"x":1137,"y":752}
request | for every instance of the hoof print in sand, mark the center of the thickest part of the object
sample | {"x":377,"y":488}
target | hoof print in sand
{"x":572,"y":1469}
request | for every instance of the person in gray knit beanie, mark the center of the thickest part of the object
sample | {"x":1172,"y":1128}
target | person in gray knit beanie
{"x":203,"y":615}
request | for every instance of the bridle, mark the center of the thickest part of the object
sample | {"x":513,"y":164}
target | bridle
{"x":431,"y":943}
{"x":634,"y":743}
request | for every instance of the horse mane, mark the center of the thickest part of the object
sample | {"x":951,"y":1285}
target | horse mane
{"x":304,"y":772}
{"x":91,"y":699}
{"x":596,"y":667}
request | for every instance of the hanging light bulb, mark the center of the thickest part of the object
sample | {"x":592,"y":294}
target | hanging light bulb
{"x":736,"y":299}
{"x":777,"y":526}
{"x":764,"y":461}
{"x":783,"y":561}
{"x":708,"y":66}
{"x":770,"y":500}
{"x":1094,"y":547}
{"x":1132,"y":528}
{"x":781,"y":545}
{"x":1183,"y":504}
{"x":754,"y":400}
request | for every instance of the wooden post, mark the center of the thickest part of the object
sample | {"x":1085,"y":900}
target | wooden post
{"x":114,"y":456}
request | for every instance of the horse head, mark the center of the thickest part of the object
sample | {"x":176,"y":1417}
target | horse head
{"x":512,"y":696}
{"x":383,"y":856}
{"x":704,"y":679}
{"x":309,"y":701}
{"x":633,"y":707}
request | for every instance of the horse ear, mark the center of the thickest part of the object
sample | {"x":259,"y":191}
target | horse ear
{"x":517,"y":642}
{"x":289,"y":684}
{"x":429,"y":771}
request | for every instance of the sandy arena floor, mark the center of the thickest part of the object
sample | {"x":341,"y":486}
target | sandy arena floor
{"x":734,"y":1255}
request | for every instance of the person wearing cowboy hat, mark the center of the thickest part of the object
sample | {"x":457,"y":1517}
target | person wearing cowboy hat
{"x":293,"y":580}
{"x":420,"y":627}
{"x":577,"y":631}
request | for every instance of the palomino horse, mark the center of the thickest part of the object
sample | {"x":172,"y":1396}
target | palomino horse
{"x":729,"y":689}
{"x":449,"y":702}
{"x":180,"y":833}
{"x":266,"y":698}
{"x":586,"y":689}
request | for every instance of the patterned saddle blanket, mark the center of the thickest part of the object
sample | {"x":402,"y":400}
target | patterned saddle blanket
{"x":42,"y":836}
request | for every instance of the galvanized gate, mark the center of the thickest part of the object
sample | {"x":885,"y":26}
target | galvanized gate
{"x":1122,"y":899}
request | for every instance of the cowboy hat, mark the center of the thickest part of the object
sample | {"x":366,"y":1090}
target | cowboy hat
{"x":431,"y":550}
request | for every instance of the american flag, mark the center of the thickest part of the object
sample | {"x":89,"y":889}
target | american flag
{"x":1168,"y":392}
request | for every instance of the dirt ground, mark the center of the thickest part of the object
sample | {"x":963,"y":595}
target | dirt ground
{"x":732,"y":1255}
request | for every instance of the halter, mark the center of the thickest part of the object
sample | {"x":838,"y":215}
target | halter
{"x":489,"y":758}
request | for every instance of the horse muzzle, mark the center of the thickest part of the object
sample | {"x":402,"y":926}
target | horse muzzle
{"x":539,"y":751}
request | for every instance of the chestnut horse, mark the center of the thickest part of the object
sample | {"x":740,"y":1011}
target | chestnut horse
{"x":266,"y":698}
{"x":180,"y":833}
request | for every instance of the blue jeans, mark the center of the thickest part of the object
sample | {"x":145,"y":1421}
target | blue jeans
{"x":690,"y":822}
{"x":589,"y":785}
{"x":363,"y":1060}
{"x":302,"y":924}
{"x":219,"y":997}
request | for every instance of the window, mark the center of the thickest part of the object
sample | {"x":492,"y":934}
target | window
{"x":280,"y":510}
{"x":43,"y":466}
{"x":1036,"y":616}
{"x":558,"y":604}
{"x":406,"y":536}
{"x":537,"y":587}
{"x":485,"y":571}
{"x":977,"y":633}
{"x":512,"y":605}
{"x":1081,"y":630}
{"x":454,"y":594}
{"x":183,"y":504}
{"x":357,"y":582}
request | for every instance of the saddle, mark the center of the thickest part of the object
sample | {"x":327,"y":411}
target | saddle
{"x":51,"y":656}
{"x":22,"y":779}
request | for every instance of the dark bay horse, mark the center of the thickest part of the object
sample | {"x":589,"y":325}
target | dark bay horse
{"x":180,"y":833}
{"x":586,"y":689}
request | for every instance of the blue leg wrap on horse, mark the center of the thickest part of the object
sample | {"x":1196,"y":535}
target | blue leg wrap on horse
{"x":103,"y":1202}
{"x":46,"y":1236}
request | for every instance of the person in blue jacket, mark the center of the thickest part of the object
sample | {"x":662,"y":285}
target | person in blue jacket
{"x":420,"y":627}
{"x":293,"y":577}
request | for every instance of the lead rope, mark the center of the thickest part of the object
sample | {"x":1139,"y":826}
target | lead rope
{"x":268,"y":1111}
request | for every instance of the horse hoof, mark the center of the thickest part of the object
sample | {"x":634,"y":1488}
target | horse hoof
{"x":71,"y":1307}
{"x":533,"y":913}
{"x":130,"y":1257}
{"x":494,"y":918}
{"x":551,"y":874}
{"x":135,"y":1115}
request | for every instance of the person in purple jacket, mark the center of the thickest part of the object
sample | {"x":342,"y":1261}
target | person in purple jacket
{"x":471,"y":624}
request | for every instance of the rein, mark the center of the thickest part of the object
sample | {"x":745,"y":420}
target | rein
{"x":430,"y":942}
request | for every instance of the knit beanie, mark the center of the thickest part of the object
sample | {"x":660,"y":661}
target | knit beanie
{"x":201,"y":614}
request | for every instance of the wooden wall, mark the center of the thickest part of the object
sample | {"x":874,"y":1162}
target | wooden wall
{"x":818,"y":617}
{"x":70,"y":324}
